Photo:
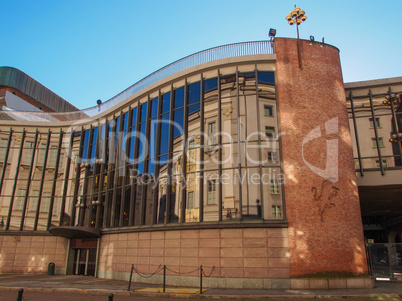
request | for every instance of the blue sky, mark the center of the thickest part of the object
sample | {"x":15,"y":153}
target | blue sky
{"x":86,"y":50}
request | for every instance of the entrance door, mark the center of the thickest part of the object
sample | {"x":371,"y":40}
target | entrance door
{"x":84,"y":251}
{"x":84,"y":262}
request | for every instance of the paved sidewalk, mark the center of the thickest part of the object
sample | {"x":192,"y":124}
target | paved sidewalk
{"x":90,"y":285}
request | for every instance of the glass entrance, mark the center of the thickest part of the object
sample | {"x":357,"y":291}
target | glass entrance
{"x":84,"y":251}
{"x":84,"y":262}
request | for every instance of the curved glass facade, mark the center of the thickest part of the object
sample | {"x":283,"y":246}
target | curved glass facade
{"x":204,"y":148}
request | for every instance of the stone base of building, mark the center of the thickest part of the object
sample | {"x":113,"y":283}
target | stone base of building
{"x":245,"y":283}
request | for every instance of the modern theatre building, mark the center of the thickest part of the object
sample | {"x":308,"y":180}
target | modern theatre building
{"x":239,"y":159}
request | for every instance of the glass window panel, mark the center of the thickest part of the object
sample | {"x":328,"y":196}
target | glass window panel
{"x":272,"y":180}
{"x":163,"y":160}
{"x":142,"y":142}
{"x":266,"y":78}
{"x":52,"y":157}
{"x":86,"y":137}
{"x":211,"y":199}
{"x":19,"y":199}
{"x":179,"y":97}
{"x":95,"y":135}
{"x":268,"y":110}
{"x":117,"y":129}
{"x":154,"y":111}
{"x":384,"y":163}
{"x":251,"y":193}
{"x":252,"y":154}
{"x":132,"y":145}
{"x":175,"y":202}
{"x":144,"y":112}
{"x":138,"y":196}
{"x":276,"y":211}
{"x":192,"y":210}
{"x":164,"y":134}
{"x":152,"y":138}
{"x":140,"y":167}
{"x":84,"y":154}
{"x":178,"y":123}
{"x":166,"y":103}
{"x":151,"y":166}
{"x":103,"y":131}
{"x":33,"y":200}
{"x":380,"y":142}
{"x":27,"y":153}
{"x":194,"y":108}
{"x":125,"y":121}
{"x":247,"y":83}
{"x":161,"y":211}
{"x":210,"y":84}
{"x":230,"y":195}
{"x":212,"y":138}
{"x":67,"y":209}
{"x":194,"y":93}
{"x":270,"y":132}
{"x":149,"y":204}
{"x":3,"y":149}
{"x":134,"y":117}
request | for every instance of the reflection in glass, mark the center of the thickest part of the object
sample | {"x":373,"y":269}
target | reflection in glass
{"x":179,"y":98}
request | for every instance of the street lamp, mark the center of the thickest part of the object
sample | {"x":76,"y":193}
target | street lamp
{"x":296,"y":16}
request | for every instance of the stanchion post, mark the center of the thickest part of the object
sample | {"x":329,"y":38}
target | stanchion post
{"x":20,"y":292}
{"x":164,"y":278}
{"x":110,"y":297}
{"x":131,"y":275}
{"x":200,"y":279}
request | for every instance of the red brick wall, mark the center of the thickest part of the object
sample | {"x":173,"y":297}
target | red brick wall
{"x":325,"y":228}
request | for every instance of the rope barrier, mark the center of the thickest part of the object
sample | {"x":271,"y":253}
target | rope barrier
{"x":182,"y":273}
{"x":209,"y":273}
{"x":160,"y":268}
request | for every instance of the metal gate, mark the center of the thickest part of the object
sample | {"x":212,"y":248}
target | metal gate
{"x":385,"y":261}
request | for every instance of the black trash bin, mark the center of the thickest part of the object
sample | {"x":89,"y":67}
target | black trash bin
{"x":50,"y":269}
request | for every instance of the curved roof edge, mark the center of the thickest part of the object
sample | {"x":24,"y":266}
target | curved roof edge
{"x":198,"y":58}
{"x":15,"y":78}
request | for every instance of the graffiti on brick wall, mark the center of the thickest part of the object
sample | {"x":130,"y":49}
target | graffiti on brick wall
{"x":326,"y":198}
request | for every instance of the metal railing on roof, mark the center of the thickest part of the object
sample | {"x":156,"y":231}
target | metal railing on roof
{"x":198,"y":58}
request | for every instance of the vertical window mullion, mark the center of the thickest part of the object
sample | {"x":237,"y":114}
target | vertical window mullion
{"x":56,"y":170}
{"x":201,"y":150}
{"x":116,"y":169}
{"x":77,"y":178}
{"x":147,"y":125}
{"x":376,"y":132}
{"x":220,"y":189}
{"x":170,"y":156}
{"x":239,"y":145}
{"x":157,"y":159}
{"x":109,"y":170}
{"x":92,"y":205}
{"x":28,"y":181}
{"x":3,"y":171}
{"x":42,"y":181}
{"x":66,"y":176}
{"x":101,"y":160}
{"x":125,"y":164}
{"x":15,"y":181}
{"x":133,"y":198}
{"x":260,"y":170}
{"x":184,"y":156}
